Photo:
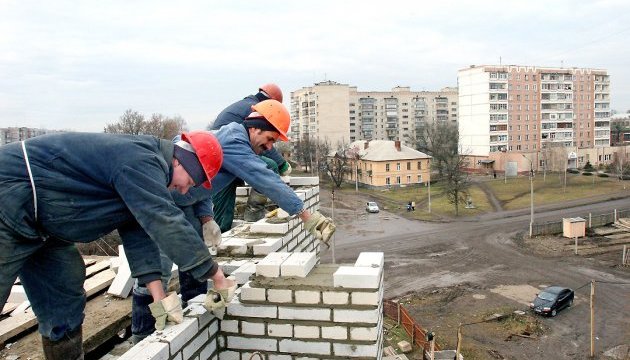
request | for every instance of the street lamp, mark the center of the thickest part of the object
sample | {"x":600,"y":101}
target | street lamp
{"x":531,"y":195}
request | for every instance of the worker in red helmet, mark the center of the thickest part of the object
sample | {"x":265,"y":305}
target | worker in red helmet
{"x":60,"y":189}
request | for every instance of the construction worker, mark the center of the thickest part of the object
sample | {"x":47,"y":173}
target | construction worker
{"x":75,"y":187}
{"x":224,"y":200}
{"x":241,"y":143}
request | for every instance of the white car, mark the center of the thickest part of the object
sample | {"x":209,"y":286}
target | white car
{"x":371,"y":207}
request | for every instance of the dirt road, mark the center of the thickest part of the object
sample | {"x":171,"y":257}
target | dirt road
{"x":481,"y":266}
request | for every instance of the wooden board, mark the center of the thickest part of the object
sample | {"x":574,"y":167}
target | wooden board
{"x":14,"y":325}
{"x":98,"y":267}
{"x":8,"y":307}
{"x":98,"y":282}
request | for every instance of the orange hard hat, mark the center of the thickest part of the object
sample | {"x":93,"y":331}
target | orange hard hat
{"x":272,"y":90}
{"x":275,"y":113}
{"x":208,"y":151}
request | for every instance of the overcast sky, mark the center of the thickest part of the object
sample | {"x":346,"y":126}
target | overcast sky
{"x":80,"y":64}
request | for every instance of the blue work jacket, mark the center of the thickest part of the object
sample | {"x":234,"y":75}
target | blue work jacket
{"x":237,"y":112}
{"x":90,"y":184}
{"x":240,"y":161}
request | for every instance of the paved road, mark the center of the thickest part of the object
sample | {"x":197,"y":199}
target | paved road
{"x":480,"y":250}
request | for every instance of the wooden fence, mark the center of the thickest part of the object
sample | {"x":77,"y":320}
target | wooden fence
{"x":397,"y":312}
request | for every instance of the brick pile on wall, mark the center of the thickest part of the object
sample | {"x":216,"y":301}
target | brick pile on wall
{"x":288,"y":306}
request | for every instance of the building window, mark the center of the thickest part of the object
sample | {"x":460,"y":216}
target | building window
{"x":408,"y":165}
{"x":398,"y":180}
{"x":398,"y":168}
{"x":408,"y":179}
{"x":387,"y":182}
{"x":387,"y":167}
{"x":419,"y":178}
{"x":419,"y":165}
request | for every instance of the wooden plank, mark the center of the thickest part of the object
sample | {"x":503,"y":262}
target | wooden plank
{"x":98,"y":282}
{"x":89,"y":262}
{"x":17,"y":294}
{"x":8,"y":307}
{"x":14,"y":325}
{"x":98,"y":267}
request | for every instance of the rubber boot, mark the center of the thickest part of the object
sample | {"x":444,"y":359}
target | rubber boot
{"x":142,"y":322}
{"x":255,"y":206}
{"x":70,"y":347}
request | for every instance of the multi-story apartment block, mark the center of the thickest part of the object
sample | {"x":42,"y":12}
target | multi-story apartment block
{"x":527,"y":108}
{"x":339,"y":112}
{"x":13,"y":134}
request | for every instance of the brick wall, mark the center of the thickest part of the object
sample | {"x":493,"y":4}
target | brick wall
{"x":288,"y":307}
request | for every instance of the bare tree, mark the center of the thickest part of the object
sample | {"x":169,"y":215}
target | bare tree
{"x":457,"y":179}
{"x":440,"y":140}
{"x":337,"y":163}
{"x":131,"y":122}
{"x":305,"y":152}
{"x":134,"y":123}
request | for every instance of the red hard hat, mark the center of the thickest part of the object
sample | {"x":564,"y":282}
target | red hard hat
{"x":208,"y":151}
{"x":272,"y":90}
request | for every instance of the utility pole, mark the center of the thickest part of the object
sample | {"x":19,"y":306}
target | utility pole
{"x":592,"y":318}
{"x":531,"y":196}
{"x":429,"y":191}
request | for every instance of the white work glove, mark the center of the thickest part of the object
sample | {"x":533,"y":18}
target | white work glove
{"x":168,"y":309}
{"x":217,"y":299}
{"x":212,"y":235}
{"x":321,"y":227}
{"x":285,"y":169}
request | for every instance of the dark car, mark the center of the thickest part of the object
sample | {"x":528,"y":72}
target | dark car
{"x":552,"y":299}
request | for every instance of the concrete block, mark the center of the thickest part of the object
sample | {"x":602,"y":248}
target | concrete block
{"x":298,"y":264}
{"x":357,"y":316}
{"x":249,"y":293}
{"x":335,"y":332}
{"x":280,"y":330}
{"x":256,"y":311}
{"x":364,"y":333}
{"x":307,"y":297}
{"x":365,"y":298}
{"x":123,"y":282}
{"x":195,"y":345}
{"x":243,"y":273}
{"x":252,"y":328}
{"x":304,"y":347}
{"x":355,"y":350}
{"x":302,"y":313}
{"x":305,"y":332}
{"x":304,"y":180}
{"x":249,"y":343}
{"x":229,"y":326}
{"x":357,"y":277}
{"x":404,"y":346}
{"x":262,"y":226}
{"x":270,"y":265}
{"x":335,"y":297}
{"x":279,"y":295}
{"x":147,"y":349}
{"x":371,"y":259}
{"x":268,"y":246}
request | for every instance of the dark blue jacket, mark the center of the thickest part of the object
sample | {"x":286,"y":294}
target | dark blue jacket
{"x":90,"y":184}
{"x":237,"y":112}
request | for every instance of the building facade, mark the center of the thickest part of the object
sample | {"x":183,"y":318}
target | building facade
{"x":13,"y":134}
{"x":340,"y":113}
{"x":526,"y":108}
{"x":620,"y":129}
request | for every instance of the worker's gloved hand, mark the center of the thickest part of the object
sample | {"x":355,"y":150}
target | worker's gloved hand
{"x":321,"y":227}
{"x":168,"y":309}
{"x":285,"y":169}
{"x":211,"y":234}
{"x":217,"y":299}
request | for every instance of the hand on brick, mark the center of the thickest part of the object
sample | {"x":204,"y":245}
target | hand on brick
{"x":321,"y":227}
{"x":211,"y":234}
{"x":218,"y":298}
{"x":166,"y":310}
{"x":285,"y":169}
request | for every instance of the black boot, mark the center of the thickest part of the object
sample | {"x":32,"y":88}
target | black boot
{"x":70,"y":347}
{"x":142,"y":322}
{"x":255,"y":206}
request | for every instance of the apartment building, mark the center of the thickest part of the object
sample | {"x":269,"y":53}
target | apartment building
{"x":340,"y":113}
{"x":13,"y":134}
{"x":526,"y":108}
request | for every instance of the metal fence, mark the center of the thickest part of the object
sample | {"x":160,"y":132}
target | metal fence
{"x":555,"y":227}
{"x":397,"y":312}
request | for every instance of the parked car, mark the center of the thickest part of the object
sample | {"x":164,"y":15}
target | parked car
{"x":551,"y":300}
{"x":372,"y":207}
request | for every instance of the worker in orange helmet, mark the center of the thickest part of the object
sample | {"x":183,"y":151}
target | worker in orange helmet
{"x":61,"y":189}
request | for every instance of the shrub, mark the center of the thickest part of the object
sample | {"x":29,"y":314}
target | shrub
{"x":586,"y":173}
{"x":602,"y":175}
{"x":588,"y":166}
{"x":573,"y":171}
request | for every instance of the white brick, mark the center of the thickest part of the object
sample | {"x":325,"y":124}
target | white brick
{"x":293,"y":313}
{"x":335,"y":332}
{"x":147,"y":349}
{"x":248,"y":343}
{"x":301,"y":195}
{"x":307,"y":297}
{"x":257,"y":311}
{"x":249,"y":293}
{"x":200,"y":313}
{"x":357,"y":277}
{"x":243,"y":273}
{"x":335,"y":297}
{"x":195,"y":345}
{"x":179,"y":334}
{"x":356,"y":316}
{"x":365,"y":298}
{"x":270,"y":265}
{"x":270,"y":245}
{"x":304,"y":180}
{"x":229,"y":267}
{"x":262,"y":226}
{"x":279,"y":357}
{"x":208,"y":350}
{"x":279,"y":296}
{"x":242,"y":191}
{"x":229,"y":355}
{"x":280,"y":330}
{"x":298,"y":264}
{"x":304,"y":347}
{"x":252,"y":328}
{"x":213,"y":329}
{"x":233,"y":246}
{"x":306,"y":332}
{"x":229,"y":326}
{"x":370,"y":259}
{"x":123,"y":282}
{"x":364,"y":333}
{"x":354,"y":350}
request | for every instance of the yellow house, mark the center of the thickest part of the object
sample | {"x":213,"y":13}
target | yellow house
{"x":384,"y":163}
